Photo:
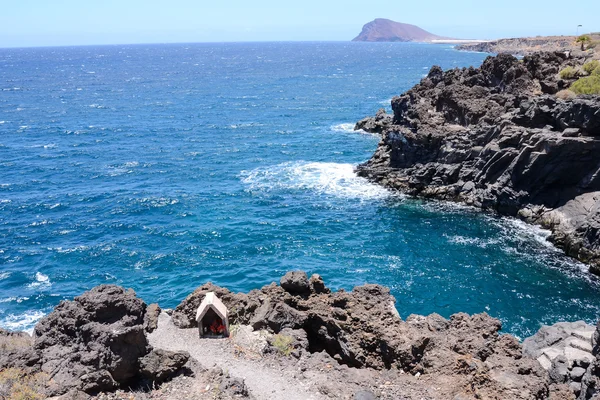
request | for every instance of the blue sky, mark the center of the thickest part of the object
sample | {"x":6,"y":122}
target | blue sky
{"x":75,"y":22}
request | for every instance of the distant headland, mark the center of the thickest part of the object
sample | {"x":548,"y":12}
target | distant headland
{"x":385,"y":30}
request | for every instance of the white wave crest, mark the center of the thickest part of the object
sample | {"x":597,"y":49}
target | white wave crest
{"x":4,"y":275}
{"x":325,"y":178}
{"x":20,"y":322}
{"x":41,"y":280}
{"x":349,"y":128}
{"x":346,"y":127}
{"x":479,"y":242}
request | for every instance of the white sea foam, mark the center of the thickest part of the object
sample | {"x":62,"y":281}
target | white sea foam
{"x":4,"y":275}
{"x":40,"y":223}
{"x":325,"y":178}
{"x":19,"y":322}
{"x":479,"y":242}
{"x":386,"y":102}
{"x":349,"y":128}
{"x":41,"y":280}
{"x":15,"y":299}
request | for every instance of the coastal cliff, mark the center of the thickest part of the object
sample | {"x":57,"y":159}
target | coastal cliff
{"x":295,"y":340}
{"x":500,"y":137}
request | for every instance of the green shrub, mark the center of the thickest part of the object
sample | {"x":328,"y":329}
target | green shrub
{"x":590,"y":66}
{"x":596,"y":72}
{"x":568,"y":73}
{"x":587,"y":85}
{"x":283,"y":343}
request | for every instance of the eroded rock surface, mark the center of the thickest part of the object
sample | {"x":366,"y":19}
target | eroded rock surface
{"x":565,"y":350}
{"x":95,"y":343}
{"x":497,"y":137}
{"x":362,"y":329}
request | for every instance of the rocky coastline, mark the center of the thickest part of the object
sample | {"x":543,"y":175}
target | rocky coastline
{"x":501,"y":137}
{"x":293,"y":340}
{"x":527,"y":45}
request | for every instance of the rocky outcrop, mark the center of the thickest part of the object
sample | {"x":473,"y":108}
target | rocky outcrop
{"x":95,"y":343}
{"x":496,"y":137}
{"x":363,"y":330}
{"x":345,"y":343}
{"x":377,"y":124}
{"x":526,"y":46}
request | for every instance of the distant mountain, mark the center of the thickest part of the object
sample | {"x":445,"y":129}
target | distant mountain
{"x":385,"y":30}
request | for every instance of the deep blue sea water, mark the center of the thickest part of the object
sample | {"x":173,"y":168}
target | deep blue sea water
{"x":162,"y":167}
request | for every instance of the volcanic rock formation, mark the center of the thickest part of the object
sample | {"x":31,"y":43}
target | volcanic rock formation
{"x":362,"y":329}
{"x":385,"y":30}
{"x":497,"y":137}
{"x":94,"y":343}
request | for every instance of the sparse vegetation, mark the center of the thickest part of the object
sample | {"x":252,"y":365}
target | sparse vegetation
{"x":568,"y":73}
{"x":591,"y":66}
{"x":15,"y":384}
{"x":566,"y":94}
{"x":283,"y":343}
{"x":585,"y":40}
{"x":14,"y":342}
{"x":587,"y":85}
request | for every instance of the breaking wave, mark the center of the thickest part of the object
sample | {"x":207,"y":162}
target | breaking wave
{"x":22,"y":322}
{"x":332,"y":179}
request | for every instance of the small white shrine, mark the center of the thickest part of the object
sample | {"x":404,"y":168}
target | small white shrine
{"x":212,"y":317}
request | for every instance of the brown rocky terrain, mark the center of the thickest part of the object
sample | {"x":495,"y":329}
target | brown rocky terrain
{"x":385,"y":30}
{"x":296,"y":340}
{"x":528,"y":45}
{"x":497,"y":137}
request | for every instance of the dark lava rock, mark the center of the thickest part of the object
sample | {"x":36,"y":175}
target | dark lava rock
{"x":295,"y":282}
{"x":363,"y":329}
{"x":94,"y":342}
{"x":317,"y":285}
{"x":377,"y":124}
{"x":151,"y":318}
{"x":497,"y":137}
{"x":162,"y":365}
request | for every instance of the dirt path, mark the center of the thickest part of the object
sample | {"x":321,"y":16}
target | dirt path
{"x":264,"y":381}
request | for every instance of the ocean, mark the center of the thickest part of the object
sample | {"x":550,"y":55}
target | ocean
{"x":161,"y":167}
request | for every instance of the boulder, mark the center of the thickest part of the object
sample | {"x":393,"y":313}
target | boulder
{"x":295,"y":282}
{"x":95,"y":342}
{"x":317,"y":285}
{"x":161,"y":365}
{"x":151,"y":318}
{"x":377,"y":124}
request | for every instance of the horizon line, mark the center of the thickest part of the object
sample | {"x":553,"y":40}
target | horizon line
{"x":206,"y":42}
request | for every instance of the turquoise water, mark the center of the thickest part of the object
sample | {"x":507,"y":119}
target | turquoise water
{"x":162,"y":167}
